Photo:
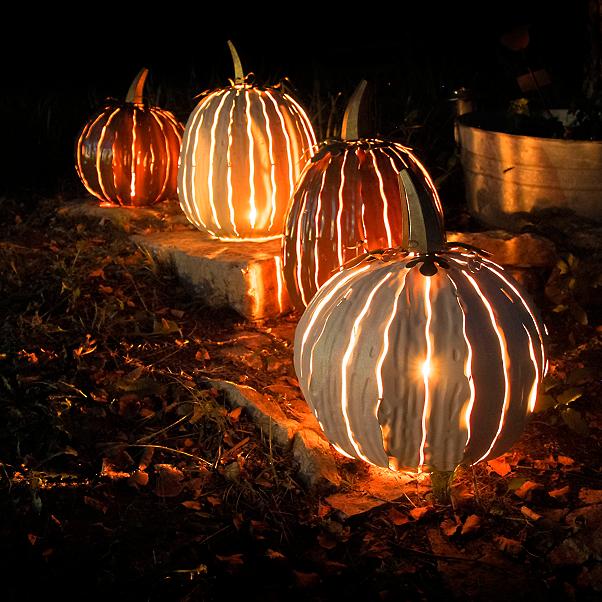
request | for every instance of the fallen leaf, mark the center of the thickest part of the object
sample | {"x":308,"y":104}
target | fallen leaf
{"x":509,"y":546}
{"x":450,"y":526}
{"x":526,"y":489}
{"x":396,"y":517}
{"x":559,"y":493}
{"x":530,"y":514}
{"x":274,"y":555}
{"x":191,"y":505}
{"x":169,"y":481}
{"x":565,"y":460}
{"x":471,"y":524}
{"x":234,"y":414}
{"x":214,"y":500}
{"x":352,"y":503}
{"x":306,"y":580}
{"x":201,"y":354}
{"x":232,"y":560}
{"x":32,"y":538}
{"x":420,"y":512}
{"x":499,"y":466}
{"x":139,"y":477}
{"x":590,"y":496}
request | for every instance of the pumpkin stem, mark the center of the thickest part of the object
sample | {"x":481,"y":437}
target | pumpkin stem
{"x":136,"y":91}
{"x":239,"y":76}
{"x":350,"y":127}
{"x":422,"y":229}
{"x":441,"y":483}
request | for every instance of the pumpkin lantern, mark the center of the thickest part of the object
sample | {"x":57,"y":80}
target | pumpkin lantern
{"x":347,"y":202}
{"x":244,"y":147}
{"x":127,"y":154}
{"x":422,"y":359}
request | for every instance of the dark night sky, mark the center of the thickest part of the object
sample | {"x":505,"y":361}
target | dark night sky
{"x":59,"y":67}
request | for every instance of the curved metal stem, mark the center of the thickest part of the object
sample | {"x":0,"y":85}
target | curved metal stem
{"x":350,"y":127}
{"x":422,"y":229}
{"x":239,"y":76}
{"x":136,"y":92}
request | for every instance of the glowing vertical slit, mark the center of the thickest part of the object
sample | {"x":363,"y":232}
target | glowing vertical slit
{"x":229,"y":165}
{"x":353,"y":338}
{"x":305,"y":123}
{"x":279,"y":282}
{"x":505,"y":360}
{"x":340,"y":214}
{"x":193,"y":208}
{"x":168,"y":154}
{"x":324,"y":324}
{"x":533,"y":392}
{"x":467,"y":369}
{"x":211,"y":159}
{"x":252,"y":207}
{"x":385,"y":350}
{"x":101,"y":138}
{"x":288,"y":144}
{"x":426,"y":370}
{"x":317,"y":237}
{"x":489,"y":265}
{"x":384,"y":199}
{"x":320,"y":306}
{"x":268,"y":129}
{"x":134,"y":159}
{"x":299,"y":249}
{"x":84,"y":135}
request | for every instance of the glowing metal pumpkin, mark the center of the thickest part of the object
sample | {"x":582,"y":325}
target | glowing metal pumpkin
{"x":243,"y":150}
{"x":347,"y":202}
{"x":128,"y":153}
{"x":421,"y":360}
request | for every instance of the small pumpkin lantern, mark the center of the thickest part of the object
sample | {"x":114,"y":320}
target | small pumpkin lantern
{"x":421,"y":360}
{"x":347,"y":202}
{"x":127,"y":154}
{"x":244,"y":147}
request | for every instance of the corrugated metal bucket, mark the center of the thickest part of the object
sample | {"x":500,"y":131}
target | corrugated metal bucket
{"x":506,"y":174}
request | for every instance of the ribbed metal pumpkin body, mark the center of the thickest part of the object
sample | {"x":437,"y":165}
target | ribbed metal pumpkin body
{"x":243,"y":150}
{"x":420,"y":372}
{"x":347,"y":202}
{"x":128,"y":155}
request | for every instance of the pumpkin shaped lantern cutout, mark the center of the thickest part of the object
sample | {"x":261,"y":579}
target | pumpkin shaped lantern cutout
{"x":347,"y":202}
{"x":421,"y":360}
{"x":244,"y":147}
{"x":127,"y":154}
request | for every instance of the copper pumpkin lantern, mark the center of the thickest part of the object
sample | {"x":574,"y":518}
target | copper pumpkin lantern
{"x":347,"y":202}
{"x":128,"y":153}
{"x":421,"y":360}
{"x":244,"y":147}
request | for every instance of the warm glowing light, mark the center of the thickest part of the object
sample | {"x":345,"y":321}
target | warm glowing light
{"x":383,"y":195}
{"x":426,"y":370}
{"x":505,"y":361}
{"x":212,"y":145}
{"x":345,"y":363}
{"x":279,"y":283}
{"x":533,"y":392}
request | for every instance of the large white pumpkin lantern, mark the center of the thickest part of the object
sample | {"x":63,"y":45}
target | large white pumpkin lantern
{"x":243,"y":149}
{"x":422,"y":359}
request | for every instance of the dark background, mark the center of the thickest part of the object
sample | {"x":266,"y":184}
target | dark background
{"x":59,"y":67}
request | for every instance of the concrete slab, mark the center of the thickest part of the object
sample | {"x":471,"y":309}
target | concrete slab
{"x":245,"y":276}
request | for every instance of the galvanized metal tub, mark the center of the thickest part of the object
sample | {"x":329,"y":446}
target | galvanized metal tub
{"x":506,"y":174}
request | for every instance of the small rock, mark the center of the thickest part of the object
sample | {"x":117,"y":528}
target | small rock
{"x":517,"y":250}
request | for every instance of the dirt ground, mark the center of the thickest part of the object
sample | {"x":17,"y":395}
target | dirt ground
{"x":124,"y":475}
